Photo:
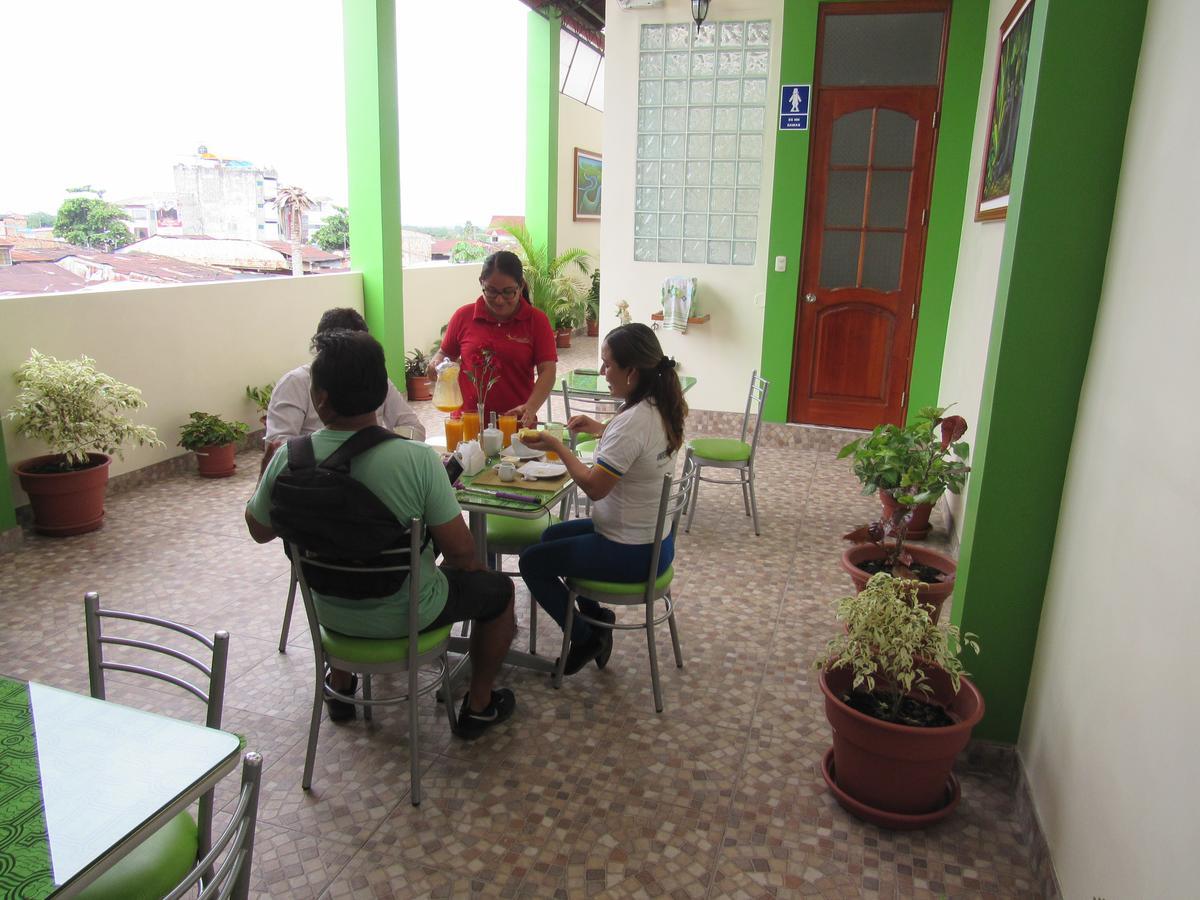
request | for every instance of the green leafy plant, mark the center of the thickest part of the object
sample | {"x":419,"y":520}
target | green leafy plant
{"x":890,"y":642}
{"x":90,"y":222}
{"x":593,"y":298}
{"x":569,"y":313}
{"x":73,"y":409}
{"x":260,"y":397}
{"x":416,"y":363}
{"x":334,"y":233}
{"x":207,"y":430}
{"x":552,"y":280}
{"x":917,"y":463}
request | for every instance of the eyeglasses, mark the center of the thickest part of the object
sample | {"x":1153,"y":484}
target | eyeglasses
{"x":491,"y":293}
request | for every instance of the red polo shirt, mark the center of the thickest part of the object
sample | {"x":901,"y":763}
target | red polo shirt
{"x":519,"y":346}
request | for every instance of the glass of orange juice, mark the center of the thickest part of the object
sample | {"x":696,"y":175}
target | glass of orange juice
{"x":559,"y":432}
{"x":508,"y":427}
{"x":454,"y":432}
{"x":470,"y":426}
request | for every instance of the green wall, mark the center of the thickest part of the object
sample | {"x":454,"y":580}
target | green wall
{"x":541,"y":140}
{"x":1070,"y":142}
{"x":964,"y":61}
{"x":373,"y":168}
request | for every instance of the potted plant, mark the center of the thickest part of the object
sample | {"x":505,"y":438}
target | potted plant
{"x":553,"y":280}
{"x":912,"y":466}
{"x":78,"y":413}
{"x":416,"y":375}
{"x":214,"y":441}
{"x":261,"y":398}
{"x":567,"y":314}
{"x":899,"y":706}
{"x":593,"y":306}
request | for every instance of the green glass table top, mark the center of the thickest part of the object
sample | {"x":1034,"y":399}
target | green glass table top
{"x":78,"y":776}
{"x":590,"y":381}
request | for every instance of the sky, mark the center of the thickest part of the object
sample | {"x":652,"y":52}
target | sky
{"x":114,"y":94}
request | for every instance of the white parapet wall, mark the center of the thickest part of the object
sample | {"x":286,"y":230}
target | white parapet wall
{"x":187,"y":347}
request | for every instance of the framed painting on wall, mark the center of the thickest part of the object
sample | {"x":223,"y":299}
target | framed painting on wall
{"x":589,"y":172}
{"x":996,"y":179}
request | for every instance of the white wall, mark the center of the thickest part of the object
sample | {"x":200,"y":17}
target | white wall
{"x":1111,"y":727}
{"x":721,"y":353}
{"x":431,"y":295}
{"x":974,"y":299}
{"x":187,"y":347}
{"x":578,"y":126}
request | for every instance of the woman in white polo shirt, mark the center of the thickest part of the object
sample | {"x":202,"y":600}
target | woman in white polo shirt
{"x":637,"y":448}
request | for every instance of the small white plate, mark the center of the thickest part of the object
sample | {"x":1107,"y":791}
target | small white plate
{"x":542,"y":470}
{"x":522,"y":452}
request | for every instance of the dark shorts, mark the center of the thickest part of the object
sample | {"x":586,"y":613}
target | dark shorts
{"x":480,"y":596}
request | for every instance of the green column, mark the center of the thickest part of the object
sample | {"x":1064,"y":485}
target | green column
{"x":951,"y":178}
{"x":541,"y":135}
{"x":1070,"y":141}
{"x":373,"y":164}
{"x":8,"y":515}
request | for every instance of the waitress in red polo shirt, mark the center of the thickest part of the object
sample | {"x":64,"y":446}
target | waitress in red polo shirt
{"x":520,"y":337}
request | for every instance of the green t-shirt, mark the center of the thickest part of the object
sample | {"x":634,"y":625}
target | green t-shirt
{"x":410,"y":479}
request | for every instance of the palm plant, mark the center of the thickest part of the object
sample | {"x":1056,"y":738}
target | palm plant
{"x":556,"y":284}
{"x":292,"y":202}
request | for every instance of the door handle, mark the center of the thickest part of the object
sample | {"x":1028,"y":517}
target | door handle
{"x":810,"y":298}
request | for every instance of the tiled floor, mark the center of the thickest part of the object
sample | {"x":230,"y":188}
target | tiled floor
{"x":586,"y":792}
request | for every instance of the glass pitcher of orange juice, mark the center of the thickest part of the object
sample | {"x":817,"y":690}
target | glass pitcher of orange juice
{"x":447,"y":395}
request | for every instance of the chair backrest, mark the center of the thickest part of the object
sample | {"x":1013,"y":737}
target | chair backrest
{"x":576,"y":403}
{"x":231,"y":878}
{"x":405,"y":557}
{"x":213,"y":670}
{"x":755,"y":400}
{"x":672,"y":504}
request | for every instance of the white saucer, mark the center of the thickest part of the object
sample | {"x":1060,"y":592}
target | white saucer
{"x":542,"y":470}
{"x":522,"y":452}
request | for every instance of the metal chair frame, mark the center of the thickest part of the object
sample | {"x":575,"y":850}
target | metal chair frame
{"x":756,"y":398}
{"x":232,"y":877}
{"x":411,"y":663}
{"x":672,"y":504}
{"x":596,"y":406}
{"x":214,"y":671}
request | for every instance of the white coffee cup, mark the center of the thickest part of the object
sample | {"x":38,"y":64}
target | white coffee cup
{"x":508,"y":472}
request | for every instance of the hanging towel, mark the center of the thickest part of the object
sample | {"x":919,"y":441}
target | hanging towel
{"x":678,"y":300}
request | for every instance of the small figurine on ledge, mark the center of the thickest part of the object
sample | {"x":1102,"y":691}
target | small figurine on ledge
{"x":623,"y":312}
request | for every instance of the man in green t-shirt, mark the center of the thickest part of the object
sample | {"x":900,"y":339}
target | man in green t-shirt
{"x":349,"y":381}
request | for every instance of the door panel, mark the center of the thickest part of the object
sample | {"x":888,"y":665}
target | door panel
{"x":870,"y":168}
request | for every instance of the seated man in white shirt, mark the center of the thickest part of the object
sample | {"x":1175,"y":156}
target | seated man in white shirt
{"x":291,"y":412}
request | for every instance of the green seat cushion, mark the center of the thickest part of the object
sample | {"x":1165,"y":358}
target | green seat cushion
{"x":509,"y":532}
{"x":586,"y":447}
{"x":588,"y":587}
{"x":154,"y":868}
{"x":372,"y":650}
{"x":720,"y":449}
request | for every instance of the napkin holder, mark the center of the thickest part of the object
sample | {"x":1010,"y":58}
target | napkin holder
{"x":470,"y":454}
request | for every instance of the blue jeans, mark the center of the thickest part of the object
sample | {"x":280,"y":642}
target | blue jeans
{"x":572,"y":549}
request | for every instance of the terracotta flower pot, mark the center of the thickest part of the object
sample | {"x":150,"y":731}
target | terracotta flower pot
{"x":930,"y":594}
{"x":898,"y":776}
{"x":217,"y":461}
{"x":417,"y":388}
{"x":593,"y":328}
{"x":563,"y":340}
{"x":65,"y":503}
{"x":918,"y":527}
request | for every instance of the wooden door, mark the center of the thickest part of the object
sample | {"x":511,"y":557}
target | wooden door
{"x":870,"y":171}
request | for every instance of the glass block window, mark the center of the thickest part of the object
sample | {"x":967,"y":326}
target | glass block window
{"x":701,"y":119}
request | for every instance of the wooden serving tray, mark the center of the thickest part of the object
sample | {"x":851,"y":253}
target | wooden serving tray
{"x":489,"y":477}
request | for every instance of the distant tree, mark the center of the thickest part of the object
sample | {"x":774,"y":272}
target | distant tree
{"x":93,"y":223}
{"x":39,"y":220}
{"x":334,"y":233}
{"x":292,"y":202}
{"x":469,"y":230}
{"x":465,"y":251}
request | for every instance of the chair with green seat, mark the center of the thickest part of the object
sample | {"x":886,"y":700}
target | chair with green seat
{"x":166,"y":857}
{"x":727,"y":453}
{"x":584,"y":445}
{"x":425,"y":661}
{"x":672,"y":503}
{"x":508,"y":536}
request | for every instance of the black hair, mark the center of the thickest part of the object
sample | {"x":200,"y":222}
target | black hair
{"x":339,"y":318}
{"x":506,"y":263}
{"x":636,"y":346}
{"x":350,"y":367}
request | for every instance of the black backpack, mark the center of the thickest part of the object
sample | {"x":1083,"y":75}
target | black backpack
{"x":332,"y":516}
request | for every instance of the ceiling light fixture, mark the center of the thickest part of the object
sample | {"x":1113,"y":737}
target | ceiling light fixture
{"x":699,"y":11}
